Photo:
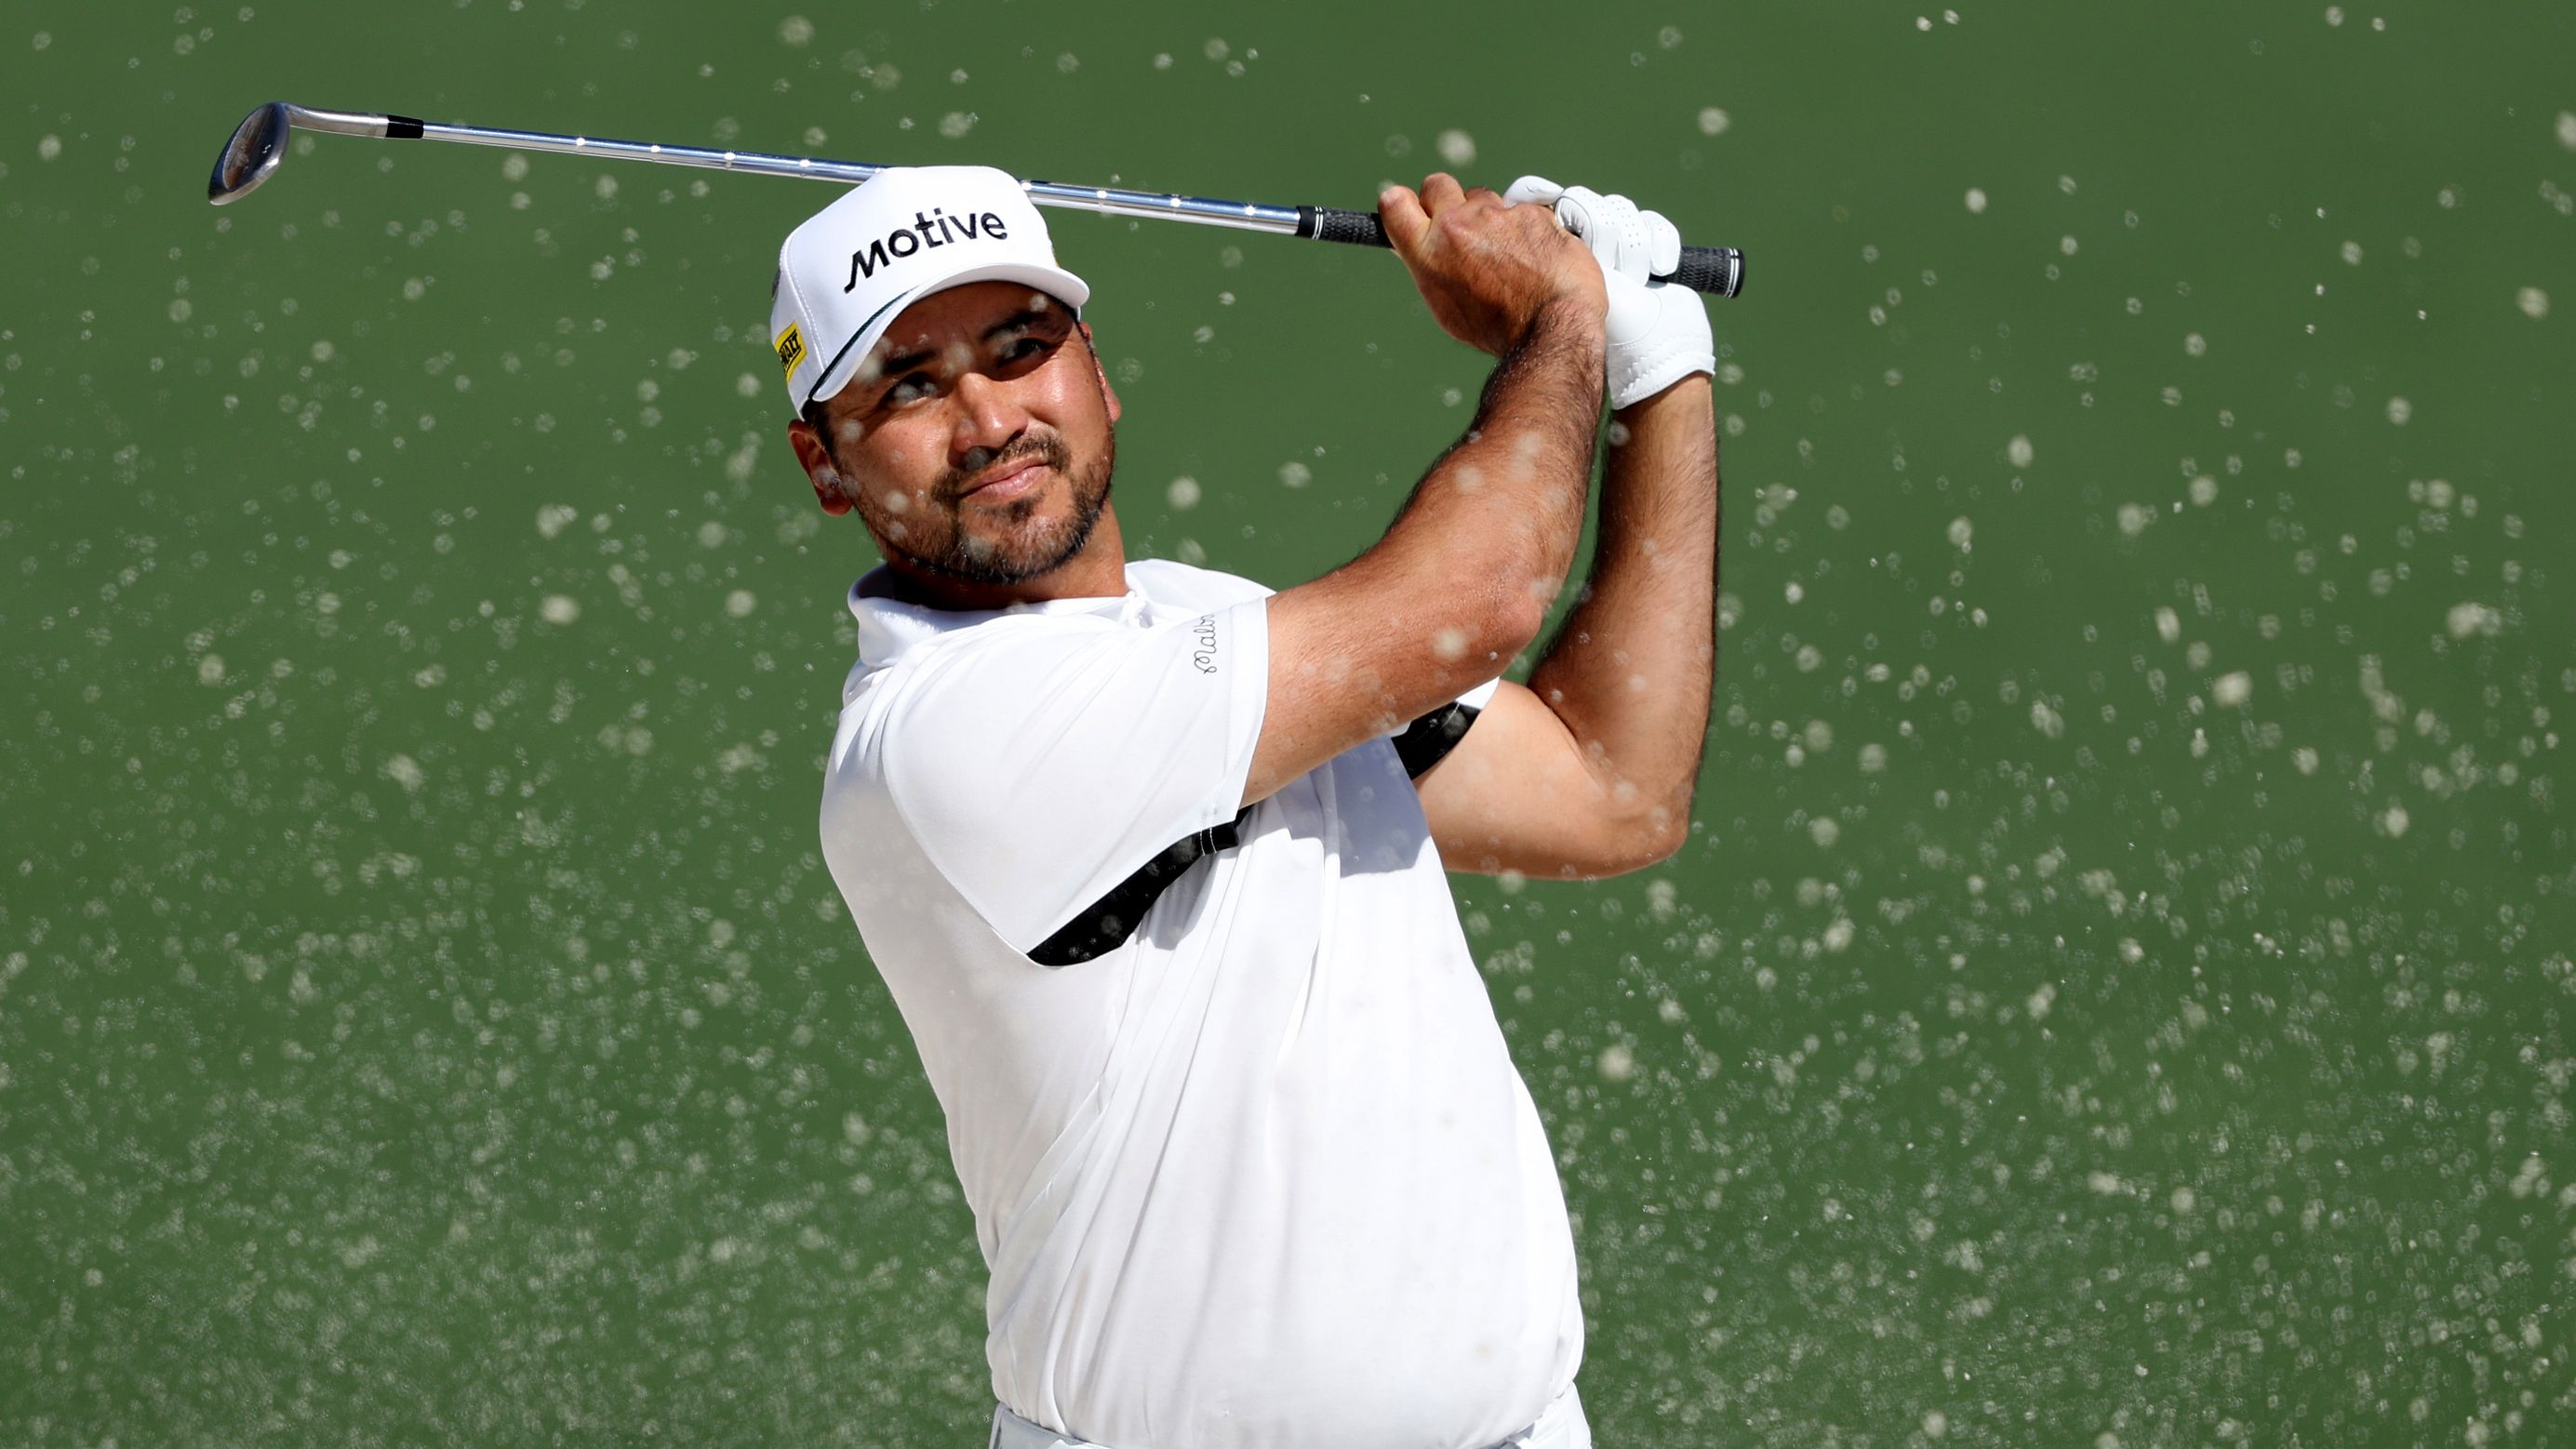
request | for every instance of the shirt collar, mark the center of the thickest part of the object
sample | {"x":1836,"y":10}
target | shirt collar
{"x":888,"y":626}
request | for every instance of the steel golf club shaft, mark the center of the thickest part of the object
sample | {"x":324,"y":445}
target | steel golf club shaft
{"x":258,"y":146}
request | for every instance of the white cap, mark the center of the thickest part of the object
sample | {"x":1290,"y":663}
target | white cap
{"x":850,"y":269}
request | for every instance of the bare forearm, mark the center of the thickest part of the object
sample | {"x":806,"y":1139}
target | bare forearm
{"x":1464,"y":577}
{"x":1630,"y":672}
{"x":1503,"y":508}
{"x":1461,"y":581}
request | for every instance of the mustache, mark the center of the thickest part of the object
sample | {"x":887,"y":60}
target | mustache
{"x":1044,"y":448}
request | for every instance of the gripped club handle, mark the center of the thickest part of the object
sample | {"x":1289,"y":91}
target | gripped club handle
{"x":1718,"y":271}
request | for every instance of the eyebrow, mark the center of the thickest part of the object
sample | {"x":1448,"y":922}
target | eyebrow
{"x":895,"y":367}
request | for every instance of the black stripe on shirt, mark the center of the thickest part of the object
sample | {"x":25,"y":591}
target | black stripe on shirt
{"x":1106,"y":924}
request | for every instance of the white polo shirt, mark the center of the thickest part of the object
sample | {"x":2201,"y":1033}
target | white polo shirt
{"x":1263,"y":1177}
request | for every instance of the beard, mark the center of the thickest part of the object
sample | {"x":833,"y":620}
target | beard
{"x":1019,"y":546}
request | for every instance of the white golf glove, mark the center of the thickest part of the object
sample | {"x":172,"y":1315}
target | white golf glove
{"x":1659,"y":332}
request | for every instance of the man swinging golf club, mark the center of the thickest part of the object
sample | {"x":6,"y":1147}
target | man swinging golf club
{"x":1151,"y":856}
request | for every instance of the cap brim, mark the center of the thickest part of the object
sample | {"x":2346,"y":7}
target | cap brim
{"x":1056,"y":282}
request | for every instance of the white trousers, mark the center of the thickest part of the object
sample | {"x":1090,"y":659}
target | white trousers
{"x":1560,"y":1426}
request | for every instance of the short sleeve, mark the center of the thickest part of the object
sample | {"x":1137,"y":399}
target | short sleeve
{"x":1046,"y":760}
{"x":1473,"y":701}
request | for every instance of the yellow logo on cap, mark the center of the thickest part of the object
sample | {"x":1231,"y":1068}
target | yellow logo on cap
{"x":791,"y":350}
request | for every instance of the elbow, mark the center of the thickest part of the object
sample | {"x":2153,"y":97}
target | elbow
{"x":1513,"y":586}
{"x":1648,"y":844}
{"x":1510,"y":619}
{"x":1582,"y":847}
{"x":1614,"y":846}
{"x":1472,"y":635}
{"x":1513,"y":630}
{"x":1634,"y":840}
{"x":1666,"y":828}
{"x":1479,"y":610}
{"x":1661,"y":840}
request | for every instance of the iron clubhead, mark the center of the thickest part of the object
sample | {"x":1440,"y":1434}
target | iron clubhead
{"x":252,"y":155}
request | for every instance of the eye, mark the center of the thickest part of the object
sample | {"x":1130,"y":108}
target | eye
{"x":911,"y":387}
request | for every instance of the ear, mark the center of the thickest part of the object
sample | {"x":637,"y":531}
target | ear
{"x":829,"y":491}
{"x":1108,"y":394}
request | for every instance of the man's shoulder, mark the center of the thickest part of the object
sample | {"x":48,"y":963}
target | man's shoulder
{"x":1169,"y":581}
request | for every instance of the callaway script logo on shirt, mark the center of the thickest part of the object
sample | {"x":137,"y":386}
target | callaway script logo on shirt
{"x":1203,"y":658}
{"x":936,"y":229}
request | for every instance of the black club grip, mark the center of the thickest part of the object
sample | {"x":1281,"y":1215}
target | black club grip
{"x":1332,"y":224}
{"x":1718,"y":271}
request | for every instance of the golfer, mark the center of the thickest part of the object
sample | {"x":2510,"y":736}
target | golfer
{"x":1151,"y":856}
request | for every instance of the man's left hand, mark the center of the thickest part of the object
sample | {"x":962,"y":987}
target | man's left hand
{"x":1658,"y":332}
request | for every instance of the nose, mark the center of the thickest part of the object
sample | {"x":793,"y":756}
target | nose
{"x":986,"y":416}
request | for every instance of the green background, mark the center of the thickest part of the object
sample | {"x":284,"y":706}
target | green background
{"x":2119,"y":992}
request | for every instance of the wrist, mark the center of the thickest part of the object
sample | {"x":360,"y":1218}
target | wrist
{"x":1567,"y":319}
{"x":1694,"y":390}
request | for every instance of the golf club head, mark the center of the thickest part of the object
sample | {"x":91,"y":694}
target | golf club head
{"x":257,"y":146}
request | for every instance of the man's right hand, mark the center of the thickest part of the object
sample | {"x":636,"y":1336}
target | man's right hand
{"x":1490,"y":270}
